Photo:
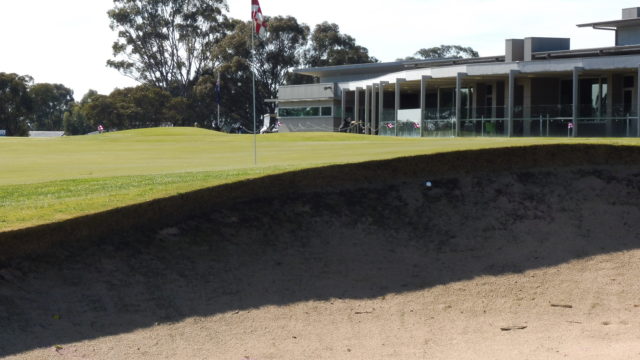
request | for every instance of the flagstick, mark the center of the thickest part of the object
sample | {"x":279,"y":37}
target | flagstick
{"x":253,"y":74}
{"x":217,"y":100}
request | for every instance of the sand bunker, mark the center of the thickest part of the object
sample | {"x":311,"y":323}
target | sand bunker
{"x":530,"y":264}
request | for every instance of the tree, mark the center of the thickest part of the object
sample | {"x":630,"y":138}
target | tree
{"x":166,"y":43}
{"x":136,"y":107}
{"x":279,"y":53}
{"x":446,"y":52}
{"x":15,"y":104}
{"x":102,"y":111}
{"x":235,"y":69}
{"x":329,"y":47}
{"x":50,"y":102}
{"x":75,"y":121}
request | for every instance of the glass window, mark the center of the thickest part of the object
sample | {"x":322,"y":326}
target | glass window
{"x":629,"y":81}
{"x":310,"y":111}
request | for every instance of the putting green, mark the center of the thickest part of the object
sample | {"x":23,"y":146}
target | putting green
{"x":48,"y":180}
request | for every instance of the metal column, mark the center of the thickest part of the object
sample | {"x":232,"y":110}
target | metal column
{"x":397,"y":105}
{"x":343,"y":106}
{"x":423,"y":94}
{"x":381,"y":104}
{"x":356,"y":110}
{"x":637,"y":103}
{"x":459,"y":77}
{"x":374,"y":125}
{"x":367,"y":110}
{"x":576,"y":98}
{"x":511,"y":102}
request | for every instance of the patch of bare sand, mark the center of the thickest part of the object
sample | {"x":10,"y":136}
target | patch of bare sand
{"x":540,"y":264}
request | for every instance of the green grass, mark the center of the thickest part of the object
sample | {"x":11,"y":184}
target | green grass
{"x":48,"y":180}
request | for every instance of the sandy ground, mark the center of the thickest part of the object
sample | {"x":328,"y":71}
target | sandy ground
{"x":541,"y":264}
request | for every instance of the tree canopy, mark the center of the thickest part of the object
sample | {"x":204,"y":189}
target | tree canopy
{"x":50,"y":102}
{"x":447,"y":52}
{"x":328,"y":47}
{"x":166,"y":43}
{"x":15,"y":103}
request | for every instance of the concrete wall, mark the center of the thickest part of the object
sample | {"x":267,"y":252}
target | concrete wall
{"x":307,"y":91}
{"x":514,"y":50}
{"x":630,"y":13}
{"x":540,"y":44}
{"x":628,"y":36}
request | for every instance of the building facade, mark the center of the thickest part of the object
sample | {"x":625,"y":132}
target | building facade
{"x":539,"y":87}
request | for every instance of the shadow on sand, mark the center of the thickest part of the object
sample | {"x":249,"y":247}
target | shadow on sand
{"x":356,"y":242}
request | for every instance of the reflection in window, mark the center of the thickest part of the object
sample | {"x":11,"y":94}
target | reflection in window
{"x":309,"y":111}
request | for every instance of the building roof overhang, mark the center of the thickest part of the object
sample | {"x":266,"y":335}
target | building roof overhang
{"x":389,"y":67}
{"x":612,"y":24}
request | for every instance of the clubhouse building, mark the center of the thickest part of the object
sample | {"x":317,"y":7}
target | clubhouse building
{"x":539,"y":87}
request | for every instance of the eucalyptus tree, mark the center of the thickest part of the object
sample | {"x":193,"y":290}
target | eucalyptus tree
{"x":270,"y":59}
{"x":447,"y":51}
{"x":15,"y":104}
{"x":329,"y":47}
{"x":166,"y":43}
{"x":50,"y":102}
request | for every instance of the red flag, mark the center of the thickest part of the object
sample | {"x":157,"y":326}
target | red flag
{"x":258,"y":19}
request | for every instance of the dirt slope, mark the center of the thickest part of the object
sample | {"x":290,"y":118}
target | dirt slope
{"x":536,"y":264}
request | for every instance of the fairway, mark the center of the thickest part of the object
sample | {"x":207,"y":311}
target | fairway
{"x":48,"y":180}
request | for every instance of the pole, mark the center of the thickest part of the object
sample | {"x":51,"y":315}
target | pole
{"x":547,"y":125}
{"x":217,"y":101}
{"x":540,"y":126}
{"x":253,"y":75}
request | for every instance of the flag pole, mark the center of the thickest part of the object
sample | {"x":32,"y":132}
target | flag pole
{"x":253,"y":74}
{"x":218,"y":100}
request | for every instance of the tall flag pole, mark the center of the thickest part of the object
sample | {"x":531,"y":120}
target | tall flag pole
{"x":259,"y":28}
{"x":218,"y":99}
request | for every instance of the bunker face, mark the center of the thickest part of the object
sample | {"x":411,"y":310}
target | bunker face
{"x":535,"y":264}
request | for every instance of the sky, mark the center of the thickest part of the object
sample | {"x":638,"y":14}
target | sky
{"x":69,"y":41}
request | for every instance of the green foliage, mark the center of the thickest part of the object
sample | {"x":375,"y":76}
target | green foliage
{"x":279,"y":53}
{"x":75,"y":121}
{"x":15,"y":104}
{"x":274,"y":58}
{"x":447,"y":52}
{"x":166,"y":43}
{"x":233,"y":54}
{"x":50,"y":102}
{"x":329,"y":48}
{"x":134,"y":107}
